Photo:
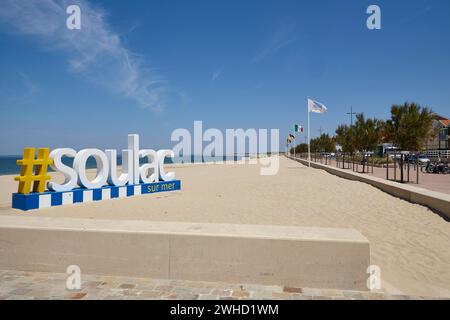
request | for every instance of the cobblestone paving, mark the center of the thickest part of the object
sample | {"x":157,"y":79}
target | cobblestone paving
{"x":15,"y":285}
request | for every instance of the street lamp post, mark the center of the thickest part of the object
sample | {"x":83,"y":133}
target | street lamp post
{"x":351,"y":113}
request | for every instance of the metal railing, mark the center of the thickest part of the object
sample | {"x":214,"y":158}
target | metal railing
{"x":398,"y":167}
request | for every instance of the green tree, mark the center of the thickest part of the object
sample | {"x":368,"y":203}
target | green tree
{"x":367,"y":133}
{"x":324,"y":143}
{"x":345,"y":138}
{"x":301,"y":148}
{"x":410,"y":126}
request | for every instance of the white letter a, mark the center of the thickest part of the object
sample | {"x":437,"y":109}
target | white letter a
{"x":374,"y":21}
{"x":74,"y":20}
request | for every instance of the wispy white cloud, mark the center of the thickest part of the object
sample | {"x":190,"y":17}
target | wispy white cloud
{"x":95,"y":52}
{"x":216,"y":74}
{"x":282,"y":37}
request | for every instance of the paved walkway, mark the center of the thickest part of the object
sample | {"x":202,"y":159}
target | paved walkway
{"x":16,"y":285}
{"x":434,"y":182}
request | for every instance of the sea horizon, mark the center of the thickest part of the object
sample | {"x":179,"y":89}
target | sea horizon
{"x":8,"y":163}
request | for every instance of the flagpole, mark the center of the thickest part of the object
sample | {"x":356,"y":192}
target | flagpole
{"x":294,"y":145}
{"x":309,"y":142}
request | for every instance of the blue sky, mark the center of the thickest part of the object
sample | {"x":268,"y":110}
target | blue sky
{"x":150,"y":67}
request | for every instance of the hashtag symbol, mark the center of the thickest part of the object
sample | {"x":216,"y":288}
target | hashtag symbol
{"x":39,"y":176}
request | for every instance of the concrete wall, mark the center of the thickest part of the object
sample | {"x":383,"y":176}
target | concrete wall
{"x":435,"y":200}
{"x":294,"y":256}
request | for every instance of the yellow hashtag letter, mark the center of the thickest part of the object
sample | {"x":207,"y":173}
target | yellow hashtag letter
{"x":27,"y":175}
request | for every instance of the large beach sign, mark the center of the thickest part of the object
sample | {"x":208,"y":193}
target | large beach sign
{"x":77,"y":187}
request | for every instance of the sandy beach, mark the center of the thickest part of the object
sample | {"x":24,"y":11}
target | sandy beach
{"x":409,"y":242}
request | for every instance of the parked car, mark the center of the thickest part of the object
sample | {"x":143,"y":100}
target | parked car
{"x":423,"y":159}
{"x":327,"y":155}
{"x":395,"y":156}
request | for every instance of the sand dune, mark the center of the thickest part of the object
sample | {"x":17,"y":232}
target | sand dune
{"x":409,"y":242}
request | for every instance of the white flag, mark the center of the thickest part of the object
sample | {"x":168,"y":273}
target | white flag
{"x":316,"y":107}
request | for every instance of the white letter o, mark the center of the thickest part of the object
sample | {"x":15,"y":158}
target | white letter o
{"x":79,"y":164}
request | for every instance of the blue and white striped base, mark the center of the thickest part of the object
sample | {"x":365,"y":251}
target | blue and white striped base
{"x":51,"y":199}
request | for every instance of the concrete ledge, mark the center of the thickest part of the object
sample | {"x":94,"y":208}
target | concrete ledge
{"x":295,"y":256}
{"x":435,"y":200}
